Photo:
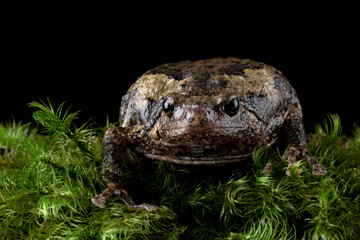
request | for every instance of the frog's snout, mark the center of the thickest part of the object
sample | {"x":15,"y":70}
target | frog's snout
{"x":197,"y":116}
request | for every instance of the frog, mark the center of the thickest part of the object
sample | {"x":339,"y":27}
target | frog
{"x":206,"y":112}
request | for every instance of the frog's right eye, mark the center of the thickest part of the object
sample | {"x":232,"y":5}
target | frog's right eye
{"x":168,"y":106}
{"x":231,"y":107}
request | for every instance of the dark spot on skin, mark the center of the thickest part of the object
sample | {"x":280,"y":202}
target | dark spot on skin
{"x":223,"y":84}
{"x":175,"y":73}
{"x":187,"y":75}
{"x":203,"y":78}
{"x":183,"y":86}
{"x":150,"y":100}
{"x":261,"y":94}
{"x":235,"y":69}
{"x":239,"y":68}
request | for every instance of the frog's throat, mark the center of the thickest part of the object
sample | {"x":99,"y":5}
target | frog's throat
{"x":185,"y":160}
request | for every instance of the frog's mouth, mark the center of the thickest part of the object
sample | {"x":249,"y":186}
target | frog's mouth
{"x":206,"y":156}
{"x":194,"y":160}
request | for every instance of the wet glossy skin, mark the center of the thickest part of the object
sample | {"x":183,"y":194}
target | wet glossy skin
{"x":214,"y":111}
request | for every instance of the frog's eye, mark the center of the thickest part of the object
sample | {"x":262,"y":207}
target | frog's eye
{"x":231,"y":107}
{"x":168,"y":106}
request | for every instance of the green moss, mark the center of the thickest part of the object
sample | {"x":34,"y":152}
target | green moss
{"x":48,"y":175}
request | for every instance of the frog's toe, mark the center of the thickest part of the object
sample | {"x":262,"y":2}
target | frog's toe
{"x":124,"y":196}
{"x":99,"y":201}
{"x":149,"y":207}
{"x":318,"y":170}
{"x":268,"y":168}
{"x":144,"y":206}
{"x":298,"y":170}
{"x":293,"y":155}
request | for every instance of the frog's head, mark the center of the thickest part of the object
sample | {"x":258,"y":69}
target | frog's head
{"x":203,"y":112}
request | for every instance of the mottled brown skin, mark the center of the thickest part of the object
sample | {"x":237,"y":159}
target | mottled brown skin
{"x":214,"y":111}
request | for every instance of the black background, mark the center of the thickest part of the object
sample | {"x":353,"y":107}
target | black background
{"x":89,"y":57}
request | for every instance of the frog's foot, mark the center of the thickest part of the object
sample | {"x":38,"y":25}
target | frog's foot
{"x":295,"y":154}
{"x":100,"y":199}
{"x":124,"y":196}
{"x":268,"y":167}
{"x":144,"y":206}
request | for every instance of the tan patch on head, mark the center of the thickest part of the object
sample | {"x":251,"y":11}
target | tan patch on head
{"x":254,"y":81}
{"x":150,"y":86}
{"x":157,"y":86}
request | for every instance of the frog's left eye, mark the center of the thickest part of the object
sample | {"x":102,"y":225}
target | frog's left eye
{"x":168,"y":106}
{"x":231,"y":107}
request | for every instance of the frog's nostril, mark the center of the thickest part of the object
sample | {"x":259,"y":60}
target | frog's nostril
{"x":197,"y":116}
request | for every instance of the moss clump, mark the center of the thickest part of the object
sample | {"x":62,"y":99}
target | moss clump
{"x":48,"y":176}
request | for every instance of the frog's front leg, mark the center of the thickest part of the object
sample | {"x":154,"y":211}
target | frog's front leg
{"x":297,"y":146}
{"x":296,"y":139}
{"x":115,"y":144}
